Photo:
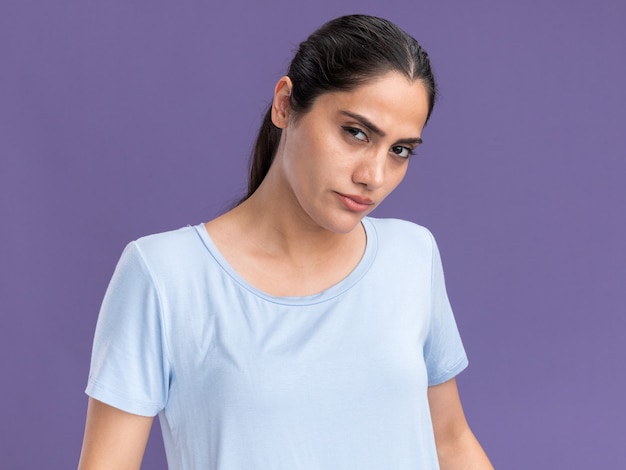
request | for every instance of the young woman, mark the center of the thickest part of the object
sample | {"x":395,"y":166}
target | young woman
{"x":294,"y":332}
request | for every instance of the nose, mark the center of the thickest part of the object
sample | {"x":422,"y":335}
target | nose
{"x":370,"y":169}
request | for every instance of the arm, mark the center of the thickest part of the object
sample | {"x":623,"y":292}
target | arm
{"x":113,"y":438}
{"x":457,"y":448}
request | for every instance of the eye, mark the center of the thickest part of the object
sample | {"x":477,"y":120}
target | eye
{"x":357,"y":133}
{"x":402,"y":151}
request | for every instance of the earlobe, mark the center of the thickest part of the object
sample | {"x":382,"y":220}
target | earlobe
{"x":280,"y":105}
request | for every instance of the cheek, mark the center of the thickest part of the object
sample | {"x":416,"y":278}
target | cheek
{"x":297,"y":156}
{"x":319,"y":159}
{"x":397,"y":175}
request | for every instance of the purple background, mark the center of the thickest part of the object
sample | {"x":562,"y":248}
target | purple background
{"x":123,"y":118}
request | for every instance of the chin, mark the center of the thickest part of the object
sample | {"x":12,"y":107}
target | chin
{"x":343,"y":224}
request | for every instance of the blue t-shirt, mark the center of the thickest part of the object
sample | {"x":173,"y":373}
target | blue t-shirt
{"x":242,"y":380}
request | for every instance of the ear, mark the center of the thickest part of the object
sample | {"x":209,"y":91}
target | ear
{"x":280,"y":105}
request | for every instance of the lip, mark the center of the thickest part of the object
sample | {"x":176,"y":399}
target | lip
{"x":354,"y":202}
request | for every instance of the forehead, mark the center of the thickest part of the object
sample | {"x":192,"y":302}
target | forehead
{"x":390,"y":101}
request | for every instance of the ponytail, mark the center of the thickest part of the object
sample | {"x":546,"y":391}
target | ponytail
{"x":264,"y":151}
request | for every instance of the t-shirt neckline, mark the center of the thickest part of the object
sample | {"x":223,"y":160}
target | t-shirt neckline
{"x":371,"y":248}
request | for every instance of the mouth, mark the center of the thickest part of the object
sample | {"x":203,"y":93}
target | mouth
{"x":355,"y":202}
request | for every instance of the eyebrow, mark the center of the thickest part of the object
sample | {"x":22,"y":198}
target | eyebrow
{"x":376,"y":130}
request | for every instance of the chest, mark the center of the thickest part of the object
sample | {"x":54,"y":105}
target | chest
{"x":250,"y":352}
{"x":345,"y":372}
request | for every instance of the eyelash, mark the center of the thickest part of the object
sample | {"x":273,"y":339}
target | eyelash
{"x":410,"y":151}
{"x":354,"y":131}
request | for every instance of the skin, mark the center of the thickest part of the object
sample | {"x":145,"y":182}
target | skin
{"x":301,"y":233}
{"x":294,"y":235}
{"x":113,"y":438}
{"x":457,"y":447}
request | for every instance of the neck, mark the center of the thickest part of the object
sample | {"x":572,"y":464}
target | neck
{"x":280,"y":230}
{"x":270,"y":240}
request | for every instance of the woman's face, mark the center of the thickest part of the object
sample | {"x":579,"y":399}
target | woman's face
{"x":341,"y":159}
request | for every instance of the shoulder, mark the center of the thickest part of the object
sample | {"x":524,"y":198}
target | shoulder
{"x":169,"y":239}
{"x":404,"y":245}
{"x":171,"y":250}
{"x":402,"y":233}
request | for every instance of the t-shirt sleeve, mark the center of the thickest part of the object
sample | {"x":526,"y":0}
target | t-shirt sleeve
{"x":443,"y":350}
{"x":129,"y":368}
